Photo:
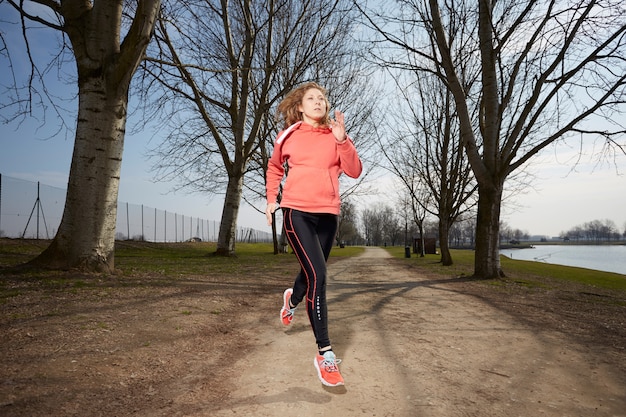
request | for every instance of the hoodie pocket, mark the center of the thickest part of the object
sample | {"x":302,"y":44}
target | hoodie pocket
{"x":310,"y":184}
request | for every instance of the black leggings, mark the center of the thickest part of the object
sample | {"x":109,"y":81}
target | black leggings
{"x":311,"y":236}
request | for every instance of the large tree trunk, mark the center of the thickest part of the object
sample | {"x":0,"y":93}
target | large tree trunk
{"x":86,"y":235}
{"x":444,"y":243}
{"x":487,"y":256}
{"x":420,"y":228}
{"x":228,"y":225}
{"x":105,"y":66}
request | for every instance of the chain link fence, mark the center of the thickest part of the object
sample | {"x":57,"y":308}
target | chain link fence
{"x":32,"y":210}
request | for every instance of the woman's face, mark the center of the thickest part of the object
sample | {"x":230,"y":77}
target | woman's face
{"x":313,"y":107}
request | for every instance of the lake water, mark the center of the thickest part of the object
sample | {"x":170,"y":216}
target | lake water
{"x":611,"y":258}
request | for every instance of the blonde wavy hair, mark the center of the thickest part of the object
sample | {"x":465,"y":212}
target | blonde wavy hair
{"x":288,"y":108}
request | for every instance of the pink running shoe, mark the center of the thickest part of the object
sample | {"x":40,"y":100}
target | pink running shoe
{"x":327,"y":369}
{"x":286,"y":312}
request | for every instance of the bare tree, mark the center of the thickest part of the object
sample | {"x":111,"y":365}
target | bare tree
{"x":427,"y":149}
{"x":392,"y":226}
{"x":220,"y":67}
{"x":549,"y":71}
{"x":347,"y":230}
{"x":371,"y":220}
{"x":419,"y":198}
{"x":381,"y":225}
{"x":104,"y":66}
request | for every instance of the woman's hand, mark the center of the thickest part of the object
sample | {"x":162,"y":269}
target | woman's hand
{"x":269,"y":210}
{"x":338,"y":127}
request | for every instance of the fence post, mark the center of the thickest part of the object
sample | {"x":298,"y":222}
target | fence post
{"x":38,"y":210}
{"x":127,"y":223}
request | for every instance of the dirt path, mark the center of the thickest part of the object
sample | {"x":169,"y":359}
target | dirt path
{"x":417,"y":347}
{"x":211,"y":345}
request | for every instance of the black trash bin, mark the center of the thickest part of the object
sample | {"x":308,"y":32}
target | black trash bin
{"x":407,"y":251}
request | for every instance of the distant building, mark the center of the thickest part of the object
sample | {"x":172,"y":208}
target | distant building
{"x":430,"y":245}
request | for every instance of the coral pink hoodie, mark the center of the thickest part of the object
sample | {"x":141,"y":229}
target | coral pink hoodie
{"x":315,"y":161}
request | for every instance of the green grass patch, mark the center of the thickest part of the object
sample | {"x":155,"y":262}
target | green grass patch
{"x":6,"y":293}
{"x":526,"y":273}
{"x":347,"y":251}
{"x":18,"y":251}
{"x":463,"y":262}
{"x":102,"y":325}
{"x":161,"y":263}
{"x":601,"y":279}
{"x":192,"y":258}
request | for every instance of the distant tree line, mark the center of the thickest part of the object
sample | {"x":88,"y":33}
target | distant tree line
{"x":380,"y":225}
{"x":594,"y":231}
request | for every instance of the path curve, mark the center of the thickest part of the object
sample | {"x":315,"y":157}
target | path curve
{"x":413,"y":346}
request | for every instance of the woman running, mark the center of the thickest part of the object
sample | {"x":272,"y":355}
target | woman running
{"x":317,"y":151}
